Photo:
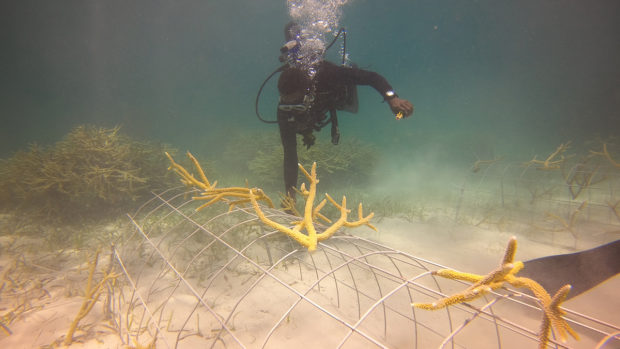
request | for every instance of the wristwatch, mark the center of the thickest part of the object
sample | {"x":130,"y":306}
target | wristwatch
{"x":390,"y":94}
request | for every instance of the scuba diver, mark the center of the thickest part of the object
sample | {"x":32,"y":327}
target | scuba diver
{"x":308,"y":92}
{"x":311,"y":87}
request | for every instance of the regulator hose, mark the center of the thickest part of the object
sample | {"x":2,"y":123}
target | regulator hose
{"x":342,"y":32}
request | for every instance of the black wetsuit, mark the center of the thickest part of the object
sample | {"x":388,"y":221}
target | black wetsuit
{"x":327,"y":88}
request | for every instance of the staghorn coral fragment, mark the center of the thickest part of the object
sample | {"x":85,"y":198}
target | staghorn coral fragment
{"x":186,"y":177}
{"x":569,"y":224}
{"x":477,"y":165}
{"x":91,"y":295}
{"x":550,"y":163}
{"x":483,"y":284}
{"x":234,"y":196}
{"x":311,"y":238}
{"x":506,"y":273}
{"x":605,"y":154}
{"x":209,"y":192}
{"x":287,"y":203}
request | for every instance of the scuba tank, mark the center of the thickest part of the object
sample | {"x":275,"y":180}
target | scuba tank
{"x":347,"y":101}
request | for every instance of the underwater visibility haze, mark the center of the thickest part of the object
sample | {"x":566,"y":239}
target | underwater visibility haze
{"x":515,"y":136}
{"x":518,"y":71}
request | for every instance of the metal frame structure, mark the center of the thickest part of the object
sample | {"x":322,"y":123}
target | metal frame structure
{"x":541,"y":200}
{"x":221,"y":279}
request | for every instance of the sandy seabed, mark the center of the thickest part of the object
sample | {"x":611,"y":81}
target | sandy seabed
{"x":47,"y":311}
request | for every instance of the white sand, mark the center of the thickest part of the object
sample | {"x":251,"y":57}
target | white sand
{"x":474,"y":249}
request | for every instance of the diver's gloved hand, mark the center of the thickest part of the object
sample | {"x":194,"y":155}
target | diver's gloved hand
{"x":399,"y":105}
{"x":309,"y":139}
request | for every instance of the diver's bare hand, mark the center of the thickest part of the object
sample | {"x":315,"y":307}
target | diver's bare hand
{"x":402,"y":106}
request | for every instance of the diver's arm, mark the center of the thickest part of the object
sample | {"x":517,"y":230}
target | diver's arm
{"x":356,"y":76}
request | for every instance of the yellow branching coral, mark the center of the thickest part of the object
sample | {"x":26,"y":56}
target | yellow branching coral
{"x":605,"y":154}
{"x":91,"y":295}
{"x":311,"y":213}
{"x":614,"y":208}
{"x":506,"y":273}
{"x":187,"y":178}
{"x":479,"y":163}
{"x":288,"y":204}
{"x":553,"y":315}
{"x":572,"y":218}
{"x":234,"y":196}
{"x":552,"y":162}
{"x":481,"y":283}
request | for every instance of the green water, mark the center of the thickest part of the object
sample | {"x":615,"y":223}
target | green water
{"x":499,"y":81}
{"x":487,"y":78}
{"x":187,"y":72}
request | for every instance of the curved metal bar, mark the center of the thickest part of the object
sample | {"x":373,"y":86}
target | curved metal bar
{"x":303,"y":296}
{"x":467,"y":321}
{"x":357,"y":291}
{"x":192,"y":290}
{"x":419,"y":287}
{"x":250,"y":289}
{"x":146,"y":309}
{"x":604,"y":341}
{"x":214,"y":276}
{"x":268,"y":273}
{"x":379,"y":289}
{"x":447,"y":309}
{"x":353,"y":252}
{"x":164,"y":203}
{"x":415,"y":322}
{"x":380,"y":301}
{"x":160,"y":275}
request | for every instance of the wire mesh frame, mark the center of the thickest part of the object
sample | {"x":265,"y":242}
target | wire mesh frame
{"x":351,"y":292}
{"x":546,"y":200}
